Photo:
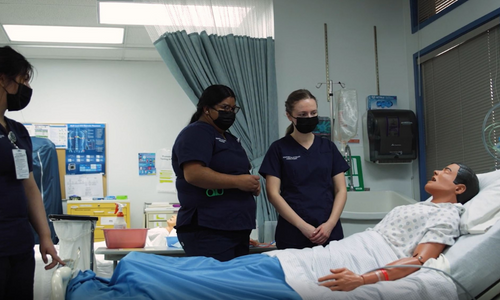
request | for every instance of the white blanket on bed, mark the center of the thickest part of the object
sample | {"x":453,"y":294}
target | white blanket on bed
{"x":360,"y":253}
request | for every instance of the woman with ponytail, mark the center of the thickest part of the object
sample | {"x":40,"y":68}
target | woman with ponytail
{"x":214,"y":185}
{"x":305,"y":179}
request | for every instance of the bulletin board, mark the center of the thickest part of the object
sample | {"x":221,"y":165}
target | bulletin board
{"x":61,"y":152}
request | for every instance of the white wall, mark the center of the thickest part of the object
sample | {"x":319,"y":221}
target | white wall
{"x":461,"y":16}
{"x":300,"y":63}
{"x":141,"y":104}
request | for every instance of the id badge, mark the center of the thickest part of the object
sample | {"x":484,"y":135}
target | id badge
{"x":21,"y":163}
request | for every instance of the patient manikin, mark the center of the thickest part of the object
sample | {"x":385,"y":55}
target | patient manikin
{"x":170,"y":225}
{"x":157,"y":237}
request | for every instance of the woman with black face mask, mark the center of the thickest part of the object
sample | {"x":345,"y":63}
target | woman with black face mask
{"x":214,"y":185}
{"x":305,"y":179}
{"x":21,"y":205}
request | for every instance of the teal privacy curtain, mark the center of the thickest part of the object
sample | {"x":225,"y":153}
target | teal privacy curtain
{"x":247,"y":65}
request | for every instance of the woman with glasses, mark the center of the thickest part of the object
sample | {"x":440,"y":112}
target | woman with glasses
{"x":214,"y":185}
{"x":305,"y":179}
{"x":21,"y":205}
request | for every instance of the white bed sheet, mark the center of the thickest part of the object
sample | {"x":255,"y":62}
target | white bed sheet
{"x":303,"y":267}
{"x":475,"y":261}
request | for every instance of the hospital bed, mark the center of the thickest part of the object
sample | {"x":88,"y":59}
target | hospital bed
{"x":474,"y":262}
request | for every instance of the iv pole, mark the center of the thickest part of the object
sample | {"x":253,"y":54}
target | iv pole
{"x":329,"y":85}
{"x":329,"y":97}
{"x":329,"y":88}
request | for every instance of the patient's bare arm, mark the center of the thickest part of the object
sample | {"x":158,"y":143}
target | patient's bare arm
{"x":345,"y":280}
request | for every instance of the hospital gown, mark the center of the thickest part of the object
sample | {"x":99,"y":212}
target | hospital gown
{"x":406,"y":226}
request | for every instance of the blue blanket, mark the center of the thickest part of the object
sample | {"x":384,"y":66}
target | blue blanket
{"x":148,"y":276}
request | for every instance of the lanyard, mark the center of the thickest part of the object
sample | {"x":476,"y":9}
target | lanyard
{"x":12,"y":139}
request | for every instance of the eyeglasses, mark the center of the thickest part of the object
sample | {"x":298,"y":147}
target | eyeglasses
{"x":226,"y":107}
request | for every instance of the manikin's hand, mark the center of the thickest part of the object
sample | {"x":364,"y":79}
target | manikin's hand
{"x":321,"y":234}
{"x":47,"y":247}
{"x":341,"y":280}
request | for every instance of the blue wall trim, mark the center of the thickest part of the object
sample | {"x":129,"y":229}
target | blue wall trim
{"x":414,"y":14}
{"x":418,"y":91}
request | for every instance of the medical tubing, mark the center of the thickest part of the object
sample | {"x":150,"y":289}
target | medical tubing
{"x":486,"y":117}
{"x":425,"y":267}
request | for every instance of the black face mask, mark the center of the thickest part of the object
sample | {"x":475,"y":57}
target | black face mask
{"x":225,"y":119}
{"x":19,"y":100}
{"x":306,"y":125}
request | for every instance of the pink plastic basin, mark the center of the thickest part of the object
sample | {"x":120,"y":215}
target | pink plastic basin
{"x":125,"y":238}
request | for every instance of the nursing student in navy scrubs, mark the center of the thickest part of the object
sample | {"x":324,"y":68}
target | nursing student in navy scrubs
{"x":305,"y":179}
{"x":214,"y":185}
{"x":21,"y":205}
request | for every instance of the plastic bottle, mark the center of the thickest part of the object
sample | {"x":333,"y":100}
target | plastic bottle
{"x":120,"y":221}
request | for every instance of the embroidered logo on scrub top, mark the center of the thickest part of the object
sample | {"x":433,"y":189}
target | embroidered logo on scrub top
{"x":287,"y":157}
{"x":220,"y":139}
{"x":1,"y":136}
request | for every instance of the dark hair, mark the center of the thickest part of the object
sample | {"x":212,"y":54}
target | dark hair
{"x":466,"y":176}
{"x":211,"y":96}
{"x":293,"y":98}
{"x":13,"y":64}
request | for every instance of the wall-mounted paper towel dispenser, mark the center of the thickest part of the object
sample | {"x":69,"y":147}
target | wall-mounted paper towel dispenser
{"x":390,"y":136}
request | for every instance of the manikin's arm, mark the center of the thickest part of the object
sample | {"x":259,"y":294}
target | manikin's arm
{"x":345,"y":280}
{"x":323,"y":231}
{"x":197,"y":174}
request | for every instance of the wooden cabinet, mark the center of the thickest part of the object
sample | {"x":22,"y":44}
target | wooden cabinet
{"x":102,"y":209}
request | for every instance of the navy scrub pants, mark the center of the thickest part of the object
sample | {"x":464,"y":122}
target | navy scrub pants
{"x":17,"y":274}
{"x":222,"y":245}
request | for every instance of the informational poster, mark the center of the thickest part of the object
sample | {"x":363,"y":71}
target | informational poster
{"x":147,"y":164}
{"x":86,"y":149}
{"x":84,"y":185}
{"x":58,"y":134}
{"x":165,"y":172}
{"x":42,"y":130}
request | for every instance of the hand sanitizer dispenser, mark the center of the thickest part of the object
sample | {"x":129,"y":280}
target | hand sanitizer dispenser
{"x":390,"y":136}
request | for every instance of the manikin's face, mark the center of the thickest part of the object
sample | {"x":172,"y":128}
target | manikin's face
{"x":172,"y":221}
{"x":442,"y":181}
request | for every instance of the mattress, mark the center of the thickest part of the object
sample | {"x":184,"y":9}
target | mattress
{"x":475,"y":261}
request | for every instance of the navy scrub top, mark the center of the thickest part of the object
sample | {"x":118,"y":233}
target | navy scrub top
{"x":16,"y":235}
{"x":306,"y":181}
{"x":228,"y":209}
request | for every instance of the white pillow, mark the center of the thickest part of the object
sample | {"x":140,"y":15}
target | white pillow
{"x":482,"y":211}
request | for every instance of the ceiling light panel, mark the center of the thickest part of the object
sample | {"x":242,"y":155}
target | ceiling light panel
{"x":64,"y":34}
{"x":126,"y":13}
